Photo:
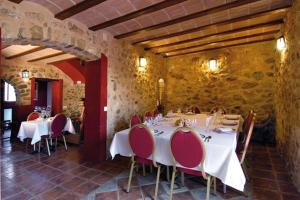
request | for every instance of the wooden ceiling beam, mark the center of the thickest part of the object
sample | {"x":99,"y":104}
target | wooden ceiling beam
{"x":25,"y":52}
{"x":234,"y":31}
{"x":202,"y":13}
{"x":135,"y":14}
{"x":221,"y":47}
{"x":16,"y":1}
{"x":77,"y":8}
{"x":224,"y":40}
{"x":215,"y":25}
{"x":47,"y":56}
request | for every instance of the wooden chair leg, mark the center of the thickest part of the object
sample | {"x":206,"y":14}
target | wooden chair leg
{"x":157,"y":183}
{"x":130,"y":176}
{"x":208,"y":187}
{"x":144,"y":170}
{"x":215,"y":185}
{"x":172,"y":184}
{"x":48,"y":147}
{"x":65,"y":142}
{"x":182,"y":179}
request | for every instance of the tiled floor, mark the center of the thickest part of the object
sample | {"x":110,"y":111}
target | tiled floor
{"x":65,"y":175}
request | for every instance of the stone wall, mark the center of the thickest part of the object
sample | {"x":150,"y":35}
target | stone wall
{"x":287,"y":98}
{"x":72,"y":93}
{"x":244,"y":81}
{"x":129,"y":90}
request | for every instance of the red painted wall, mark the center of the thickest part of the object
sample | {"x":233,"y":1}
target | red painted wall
{"x":42,"y":94}
{"x":95,"y":117}
{"x":72,"y":68}
{"x":57,"y":96}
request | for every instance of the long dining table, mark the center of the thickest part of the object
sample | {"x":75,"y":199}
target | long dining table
{"x":221,"y":160}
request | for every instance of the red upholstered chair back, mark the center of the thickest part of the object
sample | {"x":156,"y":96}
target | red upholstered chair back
{"x":134,"y":120}
{"x":58,"y":125}
{"x":187,"y":148}
{"x":33,"y":116}
{"x":141,"y":141}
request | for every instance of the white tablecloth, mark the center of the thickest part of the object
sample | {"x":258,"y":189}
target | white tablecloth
{"x":36,"y":128}
{"x":221,"y":160}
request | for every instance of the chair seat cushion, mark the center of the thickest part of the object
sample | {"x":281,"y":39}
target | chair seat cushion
{"x":190,"y":171}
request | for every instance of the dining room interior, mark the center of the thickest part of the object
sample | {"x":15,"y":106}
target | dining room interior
{"x":150,"y":99}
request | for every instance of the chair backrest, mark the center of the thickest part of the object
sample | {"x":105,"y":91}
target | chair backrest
{"x":141,"y":141}
{"x":187,"y":148}
{"x":134,"y":120}
{"x":33,"y":116}
{"x":196,"y":109}
{"x":58,"y":125}
{"x":247,"y":121}
{"x":248,"y":138}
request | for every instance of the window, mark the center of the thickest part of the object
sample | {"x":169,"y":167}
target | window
{"x":9,"y":92}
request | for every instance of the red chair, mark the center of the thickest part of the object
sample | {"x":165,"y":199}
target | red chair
{"x":155,"y":113}
{"x":188,"y":150}
{"x":33,"y":116}
{"x":57,"y":127}
{"x":142,"y":144}
{"x":134,"y":120}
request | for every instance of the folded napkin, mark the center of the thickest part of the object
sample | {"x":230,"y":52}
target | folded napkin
{"x":229,"y":123}
{"x":224,"y":130}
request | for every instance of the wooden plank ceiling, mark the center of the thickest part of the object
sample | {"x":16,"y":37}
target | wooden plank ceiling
{"x":31,"y":53}
{"x":177,"y":27}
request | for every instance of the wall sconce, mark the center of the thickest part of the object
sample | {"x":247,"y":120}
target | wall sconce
{"x":25,"y":74}
{"x":281,"y":43}
{"x":142,"y":62}
{"x":213,"y":64}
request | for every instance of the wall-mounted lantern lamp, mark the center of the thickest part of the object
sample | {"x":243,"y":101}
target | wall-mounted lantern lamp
{"x":25,"y":74}
{"x":142,"y":62}
{"x":281,"y":43}
{"x":213,"y":64}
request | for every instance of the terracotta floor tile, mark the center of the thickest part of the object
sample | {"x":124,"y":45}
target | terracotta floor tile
{"x":183,"y":195}
{"x":89,"y":174}
{"x":22,"y":195}
{"x":266,"y":195}
{"x":290,"y":197}
{"x":134,"y":193}
{"x":287,"y":188}
{"x":264,"y":183}
{"x":69,"y":196}
{"x":107,"y":196}
{"x":102,"y":178}
{"x":73,"y":183}
{"x":53,"y":193}
{"x":40,"y":187}
{"x":85,"y":188}
{"x":268,"y":174}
